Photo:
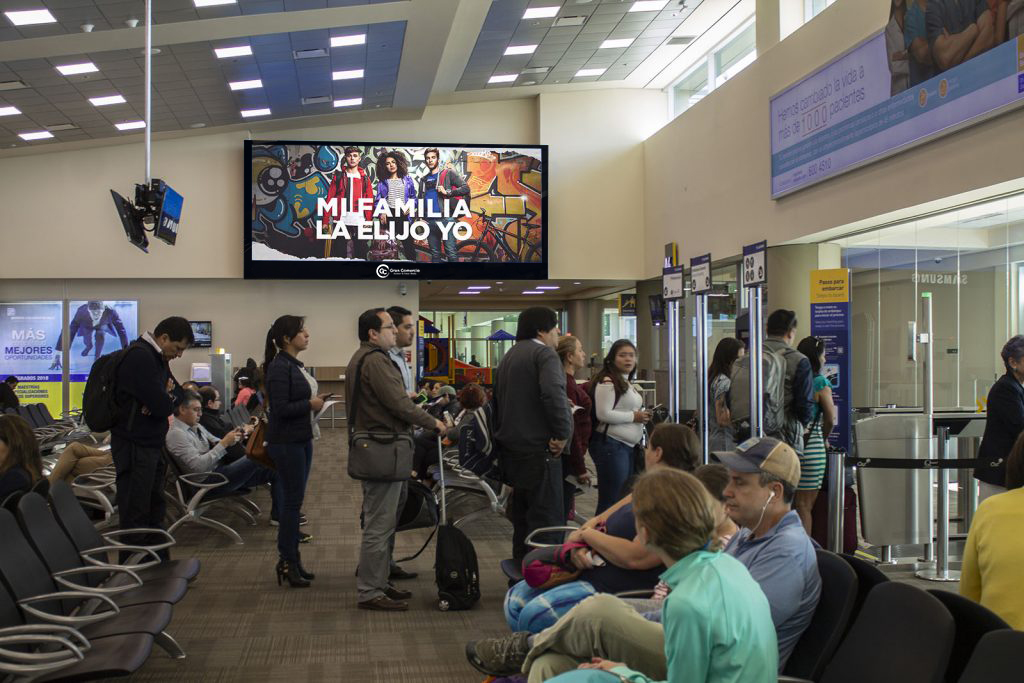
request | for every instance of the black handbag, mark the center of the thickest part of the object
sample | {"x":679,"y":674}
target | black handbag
{"x":376,"y":455}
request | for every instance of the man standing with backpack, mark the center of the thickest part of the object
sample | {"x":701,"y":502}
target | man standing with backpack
{"x":143,"y":401}
{"x":788,"y":398}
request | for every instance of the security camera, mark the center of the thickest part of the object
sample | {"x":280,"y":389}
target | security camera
{"x":938,"y":259}
{"x":87,"y":28}
{"x":403,"y":288}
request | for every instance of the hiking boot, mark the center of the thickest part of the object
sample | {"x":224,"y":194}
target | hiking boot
{"x":502,"y":656}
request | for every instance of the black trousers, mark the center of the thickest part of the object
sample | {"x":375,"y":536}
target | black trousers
{"x":536,"y":502}
{"x":140,"y":484}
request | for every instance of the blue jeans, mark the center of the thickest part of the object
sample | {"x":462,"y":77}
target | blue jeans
{"x":435,"y":240}
{"x":246,"y":473}
{"x":293,"y":461}
{"x":614,"y":462}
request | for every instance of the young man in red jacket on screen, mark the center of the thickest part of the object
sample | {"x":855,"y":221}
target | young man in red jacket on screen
{"x":349,"y":184}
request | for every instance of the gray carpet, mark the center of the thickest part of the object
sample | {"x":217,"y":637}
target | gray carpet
{"x":236,"y":624}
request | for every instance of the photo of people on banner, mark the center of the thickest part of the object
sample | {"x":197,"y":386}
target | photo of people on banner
{"x":414,"y":204}
{"x":927,"y":37}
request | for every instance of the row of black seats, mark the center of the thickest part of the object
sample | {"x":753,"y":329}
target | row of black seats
{"x":67,"y":611}
{"x":868,"y":628}
{"x":48,"y":430}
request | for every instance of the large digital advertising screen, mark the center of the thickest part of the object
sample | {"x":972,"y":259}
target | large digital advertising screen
{"x":30,"y":332}
{"x":936,"y":67}
{"x":95,"y":328}
{"x":354,"y":210}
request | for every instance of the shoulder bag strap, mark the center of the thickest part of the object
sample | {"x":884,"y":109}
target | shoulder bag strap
{"x":355,"y":393}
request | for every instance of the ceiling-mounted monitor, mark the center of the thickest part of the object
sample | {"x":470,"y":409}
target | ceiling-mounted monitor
{"x":355,"y":210}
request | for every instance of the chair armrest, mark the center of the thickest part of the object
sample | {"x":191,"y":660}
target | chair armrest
{"x":93,"y":481}
{"x":546,"y":529}
{"x":200,"y":479}
{"x":68,"y":632}
{"x":60,"y":653}
{"x":69,"y":620}
{"x":111,"y":537}
{"x":61,"y":578}
{"x":87,"y":556}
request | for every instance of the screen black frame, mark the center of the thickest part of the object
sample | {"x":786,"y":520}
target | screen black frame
{"x":395,"y":270}
{"x":191,"y":324}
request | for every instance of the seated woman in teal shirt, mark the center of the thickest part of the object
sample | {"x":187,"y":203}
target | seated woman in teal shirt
{"x":718,"y":626}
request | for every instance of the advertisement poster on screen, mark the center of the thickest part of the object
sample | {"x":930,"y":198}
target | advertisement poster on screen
{"x":936,"y":67}
{"x":95,"y":328}
{"x":354,"y":210}
{"x":30,"y":333}
{"x":830,"y":322}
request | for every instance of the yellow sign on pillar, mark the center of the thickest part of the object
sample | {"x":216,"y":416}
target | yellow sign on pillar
{"x":830,"y":286}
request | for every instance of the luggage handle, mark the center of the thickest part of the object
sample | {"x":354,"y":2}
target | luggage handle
{"x":440,"y":471}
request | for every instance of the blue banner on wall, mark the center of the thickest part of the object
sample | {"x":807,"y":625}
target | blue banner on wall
{"x":830,"y":322}
{"x":867,"y":104}
{"x":29,"y":333}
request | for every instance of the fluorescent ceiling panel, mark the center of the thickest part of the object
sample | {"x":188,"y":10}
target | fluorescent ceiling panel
{"x":342,"y":41}
{"x":109,"y":99}
{"x":74,"y":69}
{"x":29,"y":17}
{"x":240,"y":51}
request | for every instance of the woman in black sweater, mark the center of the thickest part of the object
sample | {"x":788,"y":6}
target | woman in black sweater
{"x":20,"y":463}
{"x":292,"y":404}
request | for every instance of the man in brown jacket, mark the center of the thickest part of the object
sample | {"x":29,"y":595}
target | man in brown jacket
{"x":384,"y":406}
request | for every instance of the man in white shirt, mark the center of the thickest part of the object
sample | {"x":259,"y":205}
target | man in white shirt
{"x":196,"y":451}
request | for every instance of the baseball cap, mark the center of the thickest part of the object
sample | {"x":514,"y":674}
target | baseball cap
{"x":763,"y":454}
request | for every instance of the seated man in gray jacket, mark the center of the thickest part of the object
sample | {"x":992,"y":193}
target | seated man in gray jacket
{"x":196,"y":450}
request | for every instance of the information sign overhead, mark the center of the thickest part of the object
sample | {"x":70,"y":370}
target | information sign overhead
{"x":755,"y":271}
{"x":672,"y":283}
{"x":700,"y":274}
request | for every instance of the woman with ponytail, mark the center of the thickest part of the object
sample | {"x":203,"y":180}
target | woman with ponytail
{"x":292,"y":406}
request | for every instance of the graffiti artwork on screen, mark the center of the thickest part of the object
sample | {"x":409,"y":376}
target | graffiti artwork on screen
{"x":414,"y":205}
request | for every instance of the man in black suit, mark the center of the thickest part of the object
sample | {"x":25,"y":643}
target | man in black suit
{"x":1004,"y":421}
{"x":534,"y":424}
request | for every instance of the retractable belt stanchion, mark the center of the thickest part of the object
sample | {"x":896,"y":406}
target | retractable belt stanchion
{"x":836,"y":493}
{"x":700,"y":285}
{"x":928,"y":339}
{"x":941,"y":572}
{"x":756,"y":377}
{"x":673,"y":360}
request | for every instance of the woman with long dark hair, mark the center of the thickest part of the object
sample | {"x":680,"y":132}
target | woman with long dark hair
{"x":394,"y":185}
{"x":721,"y":435}
{"x":823,"y":418}
{"x":618,"y":407}
{"x":20,"y":463}
{"x":292,"y":405}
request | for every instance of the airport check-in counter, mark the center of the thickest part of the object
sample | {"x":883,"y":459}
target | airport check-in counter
{"x":896,"y":506}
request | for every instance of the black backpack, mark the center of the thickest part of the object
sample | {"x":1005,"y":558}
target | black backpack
{"x":99,"y":402}
{"x":456,"y":570}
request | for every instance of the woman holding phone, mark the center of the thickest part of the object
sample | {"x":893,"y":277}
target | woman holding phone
{"x":292,"y":405}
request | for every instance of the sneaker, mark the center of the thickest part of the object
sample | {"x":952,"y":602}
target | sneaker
{"x":502,"y":656}
{"x":304,"y":537}
{"x":302,"y":521}
{"x":383,"y":603}
{"x":397,"y":593}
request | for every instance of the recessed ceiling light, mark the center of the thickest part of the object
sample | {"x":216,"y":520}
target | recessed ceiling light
{"x":239,"y":51}
{"x":9,"y":111}
{"x":346,"y":75}
{"x":29,"y":17}
{"x":109,"y":99}
{"x":479,"y":287}
{"x":246,"y":85}
{"x":532,"y":291}
{"x":40,"y":135}
{"x":503,"y":78}
{"x":73,"y":69}
{"x":540,"y":12}
{"x":547,"y":287}
{"x":464,"y":292}
{"x":342,"y":41}
{"x":352,"y":102}
{"x":520,"y":49}
{"x":246,"y":113}
{"x":589,"y":72}
{"x":577,"y":283}
{"x":648,"y":5}
{"x":616,"y":42}
{"x":212,"y":3}
{"x":130,"y":125}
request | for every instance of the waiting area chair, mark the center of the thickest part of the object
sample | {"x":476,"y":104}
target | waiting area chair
{"x":996,"y":658}
{"x":194,"y":496}
{"x":973,"y":622}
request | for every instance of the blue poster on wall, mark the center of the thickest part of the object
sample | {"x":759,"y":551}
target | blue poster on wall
{"x":30,"y":332}
{"x":830,"y":322}
{"x":95,"y":328}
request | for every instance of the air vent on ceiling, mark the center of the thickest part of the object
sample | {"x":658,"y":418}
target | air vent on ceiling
{"x":561,"y":22}
{"x":535,"y":70}
{"x":681,"y":40}
{"x":61,"y":126}
{"x":12,"y":85}
{"x":310,"y":54}
{"x":319,"y":99}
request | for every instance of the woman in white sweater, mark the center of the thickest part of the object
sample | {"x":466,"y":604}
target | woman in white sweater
{"x":619,"y":427}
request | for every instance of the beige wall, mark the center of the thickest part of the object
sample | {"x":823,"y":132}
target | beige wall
{"x":708,"y":171}
{"x":595,"y":184}
{"x":241,"y":310}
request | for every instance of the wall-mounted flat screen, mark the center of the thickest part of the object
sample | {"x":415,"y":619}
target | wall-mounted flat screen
{"x":354,"y":210}
{"x":935,"y":68}
{"x":202,"y":330}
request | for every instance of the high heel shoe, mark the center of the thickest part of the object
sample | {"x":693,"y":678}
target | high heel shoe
{"x":287,"y":571}
{"x":308,"y":576}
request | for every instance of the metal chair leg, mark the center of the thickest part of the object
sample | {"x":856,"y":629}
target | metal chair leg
{"x":169,"y":644}
{"x":221,"y":527}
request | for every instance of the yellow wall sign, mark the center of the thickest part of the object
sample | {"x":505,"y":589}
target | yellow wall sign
{"x":830,"y":286}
